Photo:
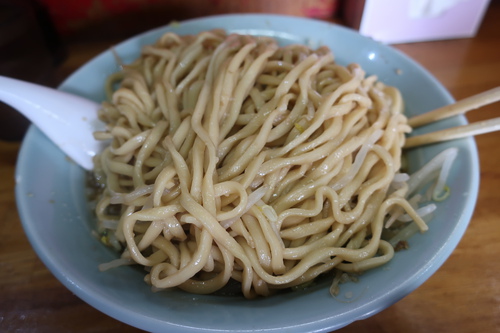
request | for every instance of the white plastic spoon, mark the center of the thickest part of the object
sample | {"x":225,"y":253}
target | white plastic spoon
{"x":68,"y":120}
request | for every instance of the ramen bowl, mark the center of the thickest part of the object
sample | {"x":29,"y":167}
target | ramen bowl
{"x":52,"y":203}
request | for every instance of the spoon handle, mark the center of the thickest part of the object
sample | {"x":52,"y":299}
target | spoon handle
{"x":68,"y":120}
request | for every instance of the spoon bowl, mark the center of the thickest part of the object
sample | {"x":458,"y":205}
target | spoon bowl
{"x":67,"y":120}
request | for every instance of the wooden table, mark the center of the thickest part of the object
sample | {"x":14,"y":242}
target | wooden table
{"x":463,"y":296}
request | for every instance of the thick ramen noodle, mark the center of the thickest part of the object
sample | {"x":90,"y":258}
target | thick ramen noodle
{"x":234,"y":159}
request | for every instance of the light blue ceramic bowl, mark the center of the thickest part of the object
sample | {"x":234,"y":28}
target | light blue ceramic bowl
{"x":53,"y":208}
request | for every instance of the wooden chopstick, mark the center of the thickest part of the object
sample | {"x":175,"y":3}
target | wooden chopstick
{"x":461,"y":107}
{"x":458,"y":132}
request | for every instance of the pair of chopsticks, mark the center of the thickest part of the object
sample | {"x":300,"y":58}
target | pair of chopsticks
{"x":460,"y":107}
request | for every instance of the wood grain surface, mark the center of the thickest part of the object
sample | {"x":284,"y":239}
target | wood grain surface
{"x":462,"y":296}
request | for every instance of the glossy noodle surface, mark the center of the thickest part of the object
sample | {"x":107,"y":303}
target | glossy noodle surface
{"x":232,"y":158}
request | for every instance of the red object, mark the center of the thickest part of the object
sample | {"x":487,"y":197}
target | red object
{"x":72,"y":15}
{"x":69,"y":16}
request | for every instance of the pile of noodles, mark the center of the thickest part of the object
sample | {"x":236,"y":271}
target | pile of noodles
{"x":232,"y":158}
